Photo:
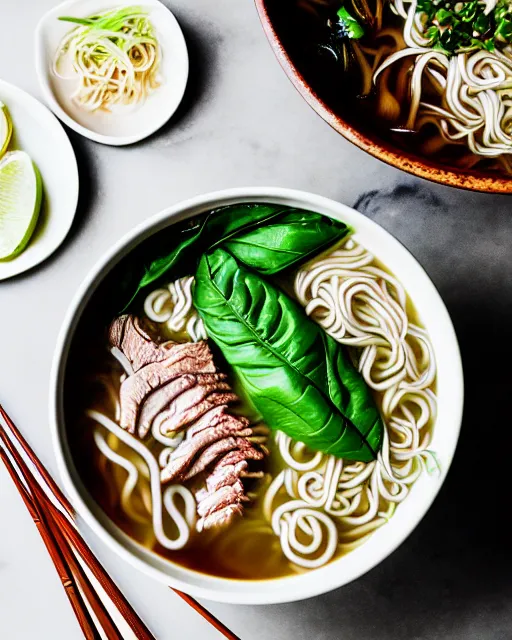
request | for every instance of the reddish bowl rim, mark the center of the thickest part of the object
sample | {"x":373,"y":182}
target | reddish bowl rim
{"x":470,"y":180}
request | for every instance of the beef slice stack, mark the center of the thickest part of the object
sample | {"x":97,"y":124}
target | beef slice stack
{"x":176,"y":387}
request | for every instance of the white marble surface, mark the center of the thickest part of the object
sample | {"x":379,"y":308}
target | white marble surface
{"x":242,"y":123}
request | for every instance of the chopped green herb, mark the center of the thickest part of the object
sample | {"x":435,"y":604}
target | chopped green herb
{"x":464,"y":26}
{"x":349,"y":24}
{"x":341,"y":28}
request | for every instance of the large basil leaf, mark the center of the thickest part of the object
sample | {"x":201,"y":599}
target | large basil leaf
{"x":285,"y":240}
{"x":210,"y":230}
{"x":266,"y":236}
{"x":297,"y":376}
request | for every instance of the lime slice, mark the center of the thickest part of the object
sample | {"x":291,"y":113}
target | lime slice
{"x":20,"y":202}
{"x":5,"y":128}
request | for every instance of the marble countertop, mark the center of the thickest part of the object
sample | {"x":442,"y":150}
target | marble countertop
{"x":242,"y":123}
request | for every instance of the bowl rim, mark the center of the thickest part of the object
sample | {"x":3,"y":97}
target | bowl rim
{"x":372,"y":144}
{"x":116,"y":141}
{"x":278,"y":590}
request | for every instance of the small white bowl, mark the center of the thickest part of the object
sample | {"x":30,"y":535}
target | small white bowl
{"x":128,"y":124}
{"x":388,"y":537}
{"x":38,"y":132}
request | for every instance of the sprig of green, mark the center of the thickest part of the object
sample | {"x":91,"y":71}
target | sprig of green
{"x":342,"y":27}
{"x":349,"y":24}
{"x":454,"y":27}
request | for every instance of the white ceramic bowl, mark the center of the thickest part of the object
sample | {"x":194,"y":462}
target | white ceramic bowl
{"x":450,"y":398}
{"x":126,"y":125}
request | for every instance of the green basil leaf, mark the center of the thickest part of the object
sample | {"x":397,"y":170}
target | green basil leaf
{"x":286,"y":240}
{"x":218,"y":225}
{"x":236,"y":222}
{"x":297,"y":377}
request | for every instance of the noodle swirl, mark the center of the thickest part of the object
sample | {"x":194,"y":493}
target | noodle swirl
{"x":173,"y":306}
{"x":475,"y":106}
{"x":365,"y":308}
{"x":183,"y":523}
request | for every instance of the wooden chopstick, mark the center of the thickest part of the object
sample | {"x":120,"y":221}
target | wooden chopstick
{"x":79,"y":607}
{"x":215,"y":622}
{"x":66,"y":521}
{"x":59,"y":530}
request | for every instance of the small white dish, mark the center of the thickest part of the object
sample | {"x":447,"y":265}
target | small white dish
{"x":128,"y":125}
{"x":387,"y":538}
{"x":38,"y":132}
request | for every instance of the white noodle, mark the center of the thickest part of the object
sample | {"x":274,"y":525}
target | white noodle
{"x":173,"y":306}
{"x":112,"y":67}
{"x":475,"y":86}
{"x":123,"y":360}
{"x":363,"y":307}
{"x":183,"y":523}
{"x":131,"y":481}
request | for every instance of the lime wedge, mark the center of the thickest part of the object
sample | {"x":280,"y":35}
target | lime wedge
{"x":20,"y":202}
{"x":5,"y":128}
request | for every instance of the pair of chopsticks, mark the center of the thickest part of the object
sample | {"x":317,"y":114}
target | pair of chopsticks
{"x":92,"y":593}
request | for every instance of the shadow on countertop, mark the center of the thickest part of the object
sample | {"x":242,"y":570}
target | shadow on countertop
{"x":203,"y":42}
{"x":452,"y":577}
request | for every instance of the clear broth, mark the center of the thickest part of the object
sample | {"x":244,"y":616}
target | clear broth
{"x":248,"y":549}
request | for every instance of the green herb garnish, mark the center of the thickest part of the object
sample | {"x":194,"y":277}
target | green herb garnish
{"x":456,"y":27}
{"x":348,"y":26}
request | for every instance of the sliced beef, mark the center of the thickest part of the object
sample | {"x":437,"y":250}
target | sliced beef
{"x":223,"y":497}
{"x":225,"y":474}
{"x":210,"y":419}
{"x":136,"y":388}
{"x":128,"y":336}
{"x":221,"y":518}
{"x":182,"y":359}
{"x":211,"y":454}
{"x":176,"y":387}
{"x":180,"y":461}
{"x":189,"y":357}
{"x":160,"y":399}
{"x":198,"y":402}
{"x":222,"y":484}
{"x":237,"y":455}
{"x":223,"y":419}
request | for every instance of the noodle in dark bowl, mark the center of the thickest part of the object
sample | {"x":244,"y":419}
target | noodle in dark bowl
{"x":418,"y":75}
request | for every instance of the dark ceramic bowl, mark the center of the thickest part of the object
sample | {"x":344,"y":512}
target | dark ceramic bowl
{"x":363,"y":136}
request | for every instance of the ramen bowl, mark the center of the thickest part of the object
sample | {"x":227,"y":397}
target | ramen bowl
{"x":388,"y":537}
{"x":357,"y":125}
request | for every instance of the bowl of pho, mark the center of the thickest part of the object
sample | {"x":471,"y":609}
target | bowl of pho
{"x":422,"y":85}
{"x":256,"y":395}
